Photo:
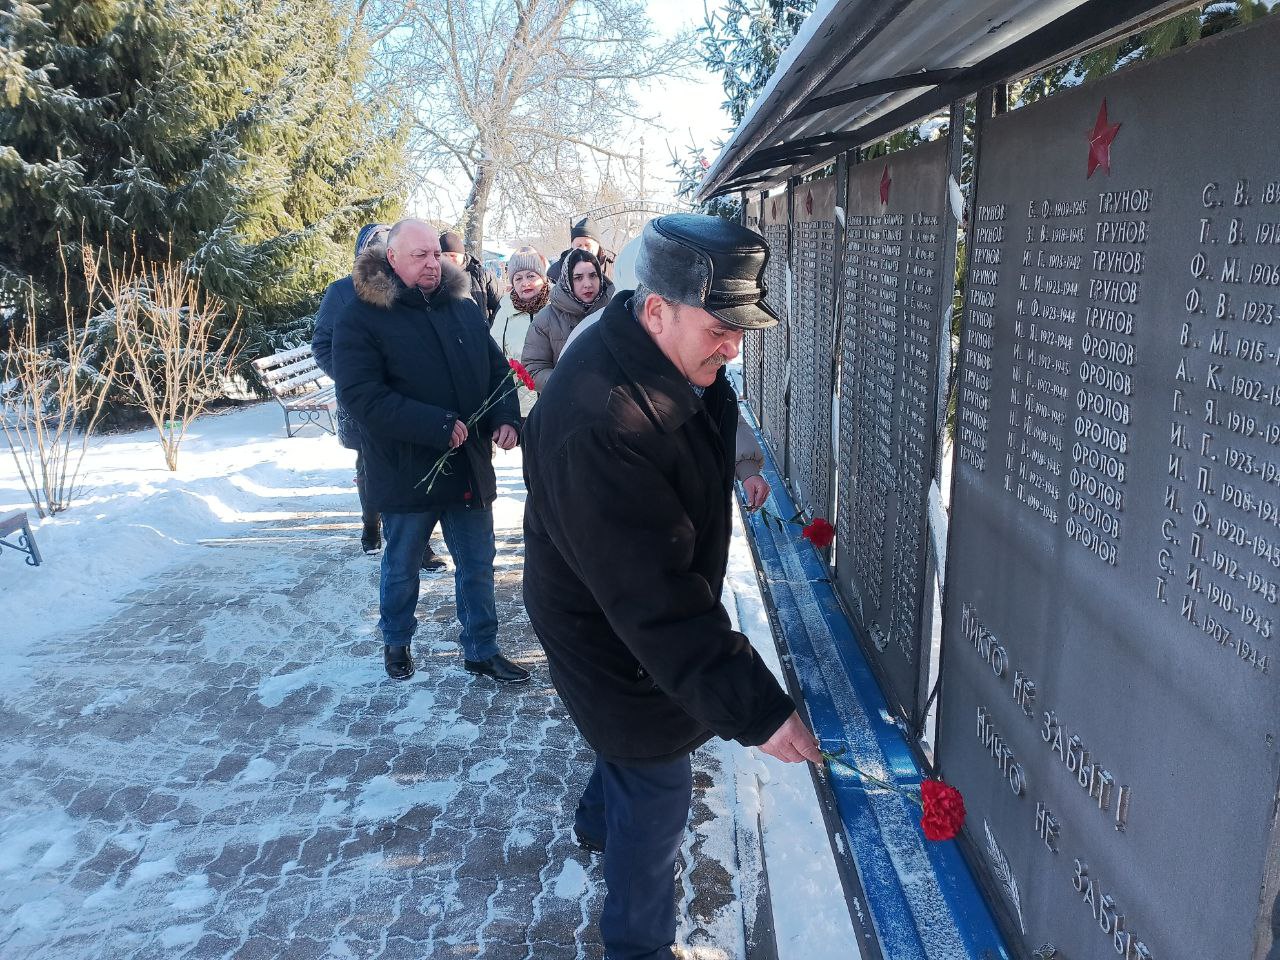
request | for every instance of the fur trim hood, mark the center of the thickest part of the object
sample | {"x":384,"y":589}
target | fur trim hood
{"x":377,"y":284}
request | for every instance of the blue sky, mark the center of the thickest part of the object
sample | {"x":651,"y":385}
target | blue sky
{"x":686,"y":104}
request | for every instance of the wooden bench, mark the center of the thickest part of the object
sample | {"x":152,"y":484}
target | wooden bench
{"x":301,"y":387}
{"x":25,"y":542}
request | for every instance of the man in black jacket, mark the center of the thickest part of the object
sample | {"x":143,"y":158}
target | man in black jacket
{"x":336,"y":296}
{"x":485,"y":287}
{"x":582,"y":236}
{"x":416,"y":367}
{"x":629,"y":464}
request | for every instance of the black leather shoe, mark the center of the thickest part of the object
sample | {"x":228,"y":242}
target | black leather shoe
{"x":431,"y":563}
{"x":398,"y":661}
{"x":499,"y":668}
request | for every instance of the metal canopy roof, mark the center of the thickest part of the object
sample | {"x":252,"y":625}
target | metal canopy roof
{"x":860,"y":69}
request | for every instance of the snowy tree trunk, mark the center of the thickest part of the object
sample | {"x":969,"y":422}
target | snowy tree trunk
{"x":476,"y":209}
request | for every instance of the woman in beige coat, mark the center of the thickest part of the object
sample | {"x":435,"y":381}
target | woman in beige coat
{"x":581,"y":289}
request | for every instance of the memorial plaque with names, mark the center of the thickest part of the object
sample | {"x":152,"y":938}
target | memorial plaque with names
{"x":813,"y":264}
{"x":753,"y":340}
{"x":893,"y":300}
{"x":1110,"y":704}
{"x":777,"y":371}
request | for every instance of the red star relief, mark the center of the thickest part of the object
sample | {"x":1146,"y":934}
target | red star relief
{"x":1100,"y":142}
{"x":885,"y":182}
{"x":808,"y":203}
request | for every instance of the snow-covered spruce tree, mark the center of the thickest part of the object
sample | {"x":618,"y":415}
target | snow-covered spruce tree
{"x":1156,"y":41}
{"x":689,"y":171}
{"x":743,"y":42}
{"x":227,"y":133}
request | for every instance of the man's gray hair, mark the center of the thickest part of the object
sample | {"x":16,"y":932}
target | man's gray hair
{"x":643,"y":293}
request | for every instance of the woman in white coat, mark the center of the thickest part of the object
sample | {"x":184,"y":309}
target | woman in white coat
{"x":527,"y":271}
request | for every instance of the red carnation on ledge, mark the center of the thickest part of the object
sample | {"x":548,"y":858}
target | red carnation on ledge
{"x":941,"y":803}
{"x":820,"y":533}
{"x":943,"y":810}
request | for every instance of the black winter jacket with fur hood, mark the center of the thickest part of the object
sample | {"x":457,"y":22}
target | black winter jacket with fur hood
{"x":408,"y":366}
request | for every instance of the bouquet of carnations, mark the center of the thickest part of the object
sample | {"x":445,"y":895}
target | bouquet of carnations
{"x":517,"y":378}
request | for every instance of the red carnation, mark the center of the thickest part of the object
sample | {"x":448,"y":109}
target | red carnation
{"x":522,"y":374}
{"x":943,"y":810}
{"x":820,"y":533}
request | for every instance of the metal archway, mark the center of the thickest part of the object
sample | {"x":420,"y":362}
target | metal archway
{"x":610,"y":210}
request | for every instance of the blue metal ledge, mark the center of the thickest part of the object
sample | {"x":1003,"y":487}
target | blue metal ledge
{"x":923,"y":901}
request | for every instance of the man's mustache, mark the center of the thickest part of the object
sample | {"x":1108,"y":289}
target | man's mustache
{"x":715,"y":360}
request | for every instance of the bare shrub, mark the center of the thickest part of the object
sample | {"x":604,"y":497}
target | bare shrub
{"x":52,"y":394}
{"x":177,"y":349}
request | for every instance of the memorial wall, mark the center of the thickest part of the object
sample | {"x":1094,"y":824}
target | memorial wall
{"x":775,"y":227}
{"x":813,"y":264}
{"x":1109,"y":704}
{"x":894,"y":290}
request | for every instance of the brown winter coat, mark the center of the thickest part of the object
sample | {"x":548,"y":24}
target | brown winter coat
{"x":551,"y":328}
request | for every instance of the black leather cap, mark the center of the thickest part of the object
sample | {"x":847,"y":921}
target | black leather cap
{"x":707,"y":262}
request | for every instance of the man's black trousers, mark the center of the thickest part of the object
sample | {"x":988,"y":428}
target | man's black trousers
{"x":638,"y":814}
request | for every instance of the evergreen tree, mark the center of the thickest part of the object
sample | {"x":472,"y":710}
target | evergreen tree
{"x":226,"y":132}
{"x":1156,"y":41}
{"x":744,"y":42}
{"x":689,"y":171}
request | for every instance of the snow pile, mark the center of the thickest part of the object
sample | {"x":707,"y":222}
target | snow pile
{"x":133,"y":519}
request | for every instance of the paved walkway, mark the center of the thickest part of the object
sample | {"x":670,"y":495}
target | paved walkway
{"x":221,"y":769}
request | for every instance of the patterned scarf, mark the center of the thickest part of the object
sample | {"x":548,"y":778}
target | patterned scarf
{"x":535,"y":303}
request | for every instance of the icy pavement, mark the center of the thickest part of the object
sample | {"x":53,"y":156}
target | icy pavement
{"x":203,"y":758}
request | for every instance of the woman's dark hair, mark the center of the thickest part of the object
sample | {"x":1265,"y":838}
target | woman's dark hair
{"x":577,"y":256}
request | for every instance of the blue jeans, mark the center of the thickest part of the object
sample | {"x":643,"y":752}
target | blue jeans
{"x":639,"y":814}
{"x":469,"y":535}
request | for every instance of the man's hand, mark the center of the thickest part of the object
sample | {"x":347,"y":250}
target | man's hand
{"x":792,"y":742}
{"x":459,"y":435}
{"x":757,"y":491}
{"x":505,"y":436}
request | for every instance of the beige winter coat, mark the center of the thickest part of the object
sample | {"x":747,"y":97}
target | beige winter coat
{"x":510,"y":330}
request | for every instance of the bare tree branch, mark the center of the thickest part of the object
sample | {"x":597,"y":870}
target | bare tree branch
{"x":525,"y":101}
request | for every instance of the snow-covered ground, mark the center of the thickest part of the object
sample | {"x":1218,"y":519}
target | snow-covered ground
{"x":811,"y":917}
{"x":135,"y":532}
{"x":134,"y":518}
